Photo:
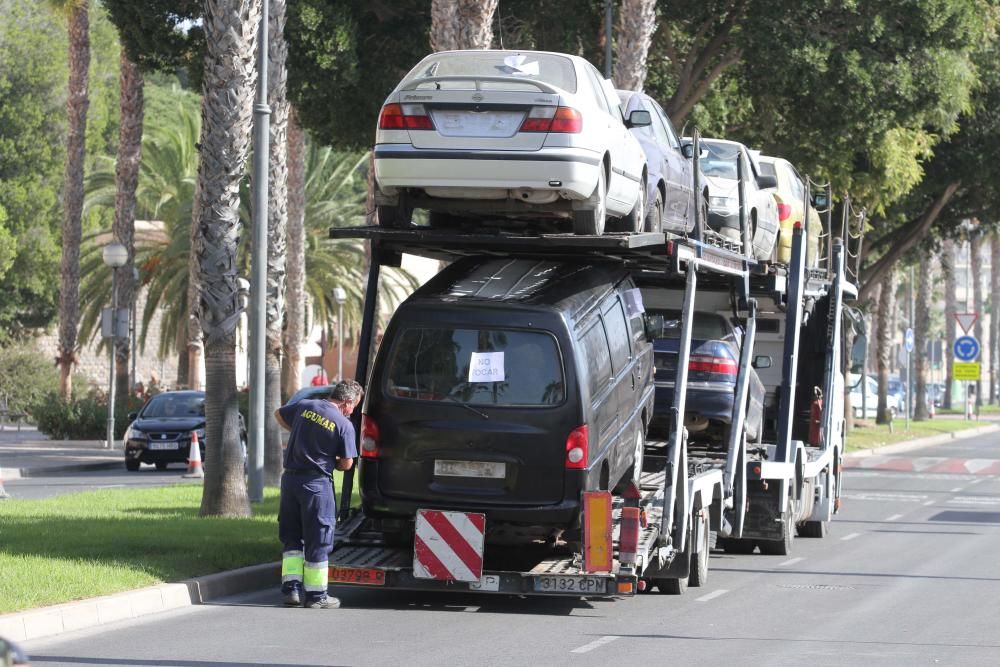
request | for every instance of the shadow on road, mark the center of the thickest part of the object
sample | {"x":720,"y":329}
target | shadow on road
{"x":70,"y":660}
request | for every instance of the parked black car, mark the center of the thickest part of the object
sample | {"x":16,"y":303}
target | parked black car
{"x":160,"y":432}
{"x":508,"y":386}
{"x":712,"y":370}
{"x":670,"y":199}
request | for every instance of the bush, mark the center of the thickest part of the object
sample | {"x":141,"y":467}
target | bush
{"x":26,"y":376}
{"x":82,"y":418}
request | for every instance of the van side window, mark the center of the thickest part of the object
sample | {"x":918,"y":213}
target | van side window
{"x":595,"y":346}
{"x":618,"y":337}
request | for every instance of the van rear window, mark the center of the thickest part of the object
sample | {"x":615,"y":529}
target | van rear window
{"x":496,"y":367}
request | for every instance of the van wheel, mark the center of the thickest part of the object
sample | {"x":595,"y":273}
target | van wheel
{"x":590,"y":222}
{"x":634,"y":473}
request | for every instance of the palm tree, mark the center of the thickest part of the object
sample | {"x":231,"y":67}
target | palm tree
{"x":883,"y":349}
{"x":976,"y":265}
{"x":276,"y":225}
{"x":462,"y":24}
{"x":77,"y":103}
{"x":948,"y":268}
{"x":294,"y":334}
{"x":231,"y":28}
{"x":164,"y":193}
{"x":921,"y":336}
{"x":994,"y":315}
{"x":130,"y":111}
{"x":636,"y":24}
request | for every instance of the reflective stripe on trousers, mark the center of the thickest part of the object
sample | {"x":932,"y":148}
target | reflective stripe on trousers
{"x":292,"y":566}
{"x":315,"y":577}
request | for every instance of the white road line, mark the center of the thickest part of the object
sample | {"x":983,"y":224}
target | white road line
{"x":712,"y":595}
{"x":976,"y":481}
{"x":894,"y":517}
{"x":597,"y":643}
{"x":791,"y":561}
{"x":928,"y":503}
{"x":956,"y":489}
{"x":850,"y":537}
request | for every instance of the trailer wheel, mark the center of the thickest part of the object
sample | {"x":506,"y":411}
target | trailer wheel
{"x":672,"y":586}
{"x":699,"y":559}
{"x":736,"y":547}
{"x":782,"y":547}
{"x":814,"y":529}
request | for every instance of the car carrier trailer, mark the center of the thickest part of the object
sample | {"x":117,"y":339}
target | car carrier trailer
{"x":658,"y":532}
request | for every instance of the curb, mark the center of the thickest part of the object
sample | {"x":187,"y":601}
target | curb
{"x":919,"y":443}
{"x":43,"y":471}
{"x":50,"y":621}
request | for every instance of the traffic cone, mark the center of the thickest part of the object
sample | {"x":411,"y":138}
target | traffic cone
{"x":194,"y":458}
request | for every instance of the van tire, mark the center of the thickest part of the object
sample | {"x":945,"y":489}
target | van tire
{"x":634,"y":473}
{"x":590,"y":222}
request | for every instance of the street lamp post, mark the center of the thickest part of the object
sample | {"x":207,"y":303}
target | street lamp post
{"x":340,"y":296}
{"x":115,"y":256}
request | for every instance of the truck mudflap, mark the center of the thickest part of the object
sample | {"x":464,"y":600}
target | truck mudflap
{"x":387,"y":567}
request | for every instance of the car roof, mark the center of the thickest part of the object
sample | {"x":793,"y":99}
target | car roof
{"x":567,"y":286}
{"x":181,"y":392}
{"x":512,"y":52}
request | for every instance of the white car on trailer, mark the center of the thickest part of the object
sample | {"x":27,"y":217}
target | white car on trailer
{"x":490,"y":133}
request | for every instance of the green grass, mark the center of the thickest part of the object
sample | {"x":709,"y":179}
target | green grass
{"x":101,"y":542}
{"x":984,"y":410}
{"x":867,"y":435}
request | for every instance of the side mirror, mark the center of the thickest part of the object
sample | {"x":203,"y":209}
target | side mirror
{"x":687,"y":150}
{"x":132,"y":416}
{"x":639,"y":118}
{"x":761,"y":361}
{"x":820,"y":200}
{"x":765,"y":181}
{"x":11,"y":654}
{"x":649,"y":327}
{"x":858,"y":353}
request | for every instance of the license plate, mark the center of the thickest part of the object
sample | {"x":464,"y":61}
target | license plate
{"x":365,"y":576}
{"x":164,"y":445}
{"x":556,"y":584}
{"x":488,"y":469}
{"x":459,"y":123}
{"x":488,"y":582}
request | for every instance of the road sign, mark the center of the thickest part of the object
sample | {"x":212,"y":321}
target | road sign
{"x":966,"y":320}
{"x":966,"y":371}
{"x":908,"y":340}
{"x":966,"y":348}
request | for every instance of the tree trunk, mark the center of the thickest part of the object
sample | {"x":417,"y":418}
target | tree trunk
{"x":77,"y":103}
{"x":636,"y":24}
{"x":193,"y":341}
{"x":921,"y":337}
{"x":883,"y":351}
{"x":276,"y":224}
{"x":295,"y":264}
{"x":462,"y":24}
{"x":976,"y":261}
{"x":130,"y":110}
{"x":948,"y":268}
{"x":231,"y":39}
{"x":994,"y":315}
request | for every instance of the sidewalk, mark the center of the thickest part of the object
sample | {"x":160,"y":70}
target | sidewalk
{"x":28,"y":453}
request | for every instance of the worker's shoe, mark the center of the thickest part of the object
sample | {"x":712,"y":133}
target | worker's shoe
{"x":322,"y":602}
{"x":293,"y":593}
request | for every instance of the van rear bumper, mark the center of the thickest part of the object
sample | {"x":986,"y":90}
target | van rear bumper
{"x":562,"y":514}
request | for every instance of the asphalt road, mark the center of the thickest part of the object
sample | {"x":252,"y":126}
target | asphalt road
{"x":33,"y":488}
{"x":908,"y":575}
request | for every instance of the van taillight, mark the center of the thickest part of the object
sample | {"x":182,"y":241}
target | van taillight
{"x":700,"y":364}
{"x":369,"y":438}
{"x":576,"y":448}
{"x":404,"y":117}
{"x":553,"y":119}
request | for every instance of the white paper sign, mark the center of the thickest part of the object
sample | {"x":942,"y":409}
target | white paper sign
{"x":486,"y":367}
{"x":519,"y":65}
{"x":633,"y":302}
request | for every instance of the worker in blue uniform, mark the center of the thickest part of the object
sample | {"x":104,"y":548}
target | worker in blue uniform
{"x":322,"y":438}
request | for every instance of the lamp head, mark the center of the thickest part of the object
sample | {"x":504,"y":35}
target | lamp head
{"x":339,"y":295}
{"x":115,"y":255}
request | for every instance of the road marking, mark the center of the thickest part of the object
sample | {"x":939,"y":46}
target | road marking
{"x":712,"y":595}
{"x":597,"y":643}
{"x":928,"y":503}
{"x":791,"y":561}
{"x":976,"y":481}
{"x":894,"y":517}
{"x":884,"y":497}
{"x":850,"y":537}
{"x":956,"y":489}
{"x":972,"y":500}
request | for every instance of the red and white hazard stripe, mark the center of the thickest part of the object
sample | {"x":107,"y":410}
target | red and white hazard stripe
{"x":449,"y":545}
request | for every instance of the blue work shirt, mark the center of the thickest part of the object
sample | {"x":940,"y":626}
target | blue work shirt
{"x":320,"y":434}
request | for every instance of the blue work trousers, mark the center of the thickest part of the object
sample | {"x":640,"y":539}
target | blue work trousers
{"x":307,"y":515}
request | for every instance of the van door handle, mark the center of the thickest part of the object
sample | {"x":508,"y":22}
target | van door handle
{"x":633,"y":380}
